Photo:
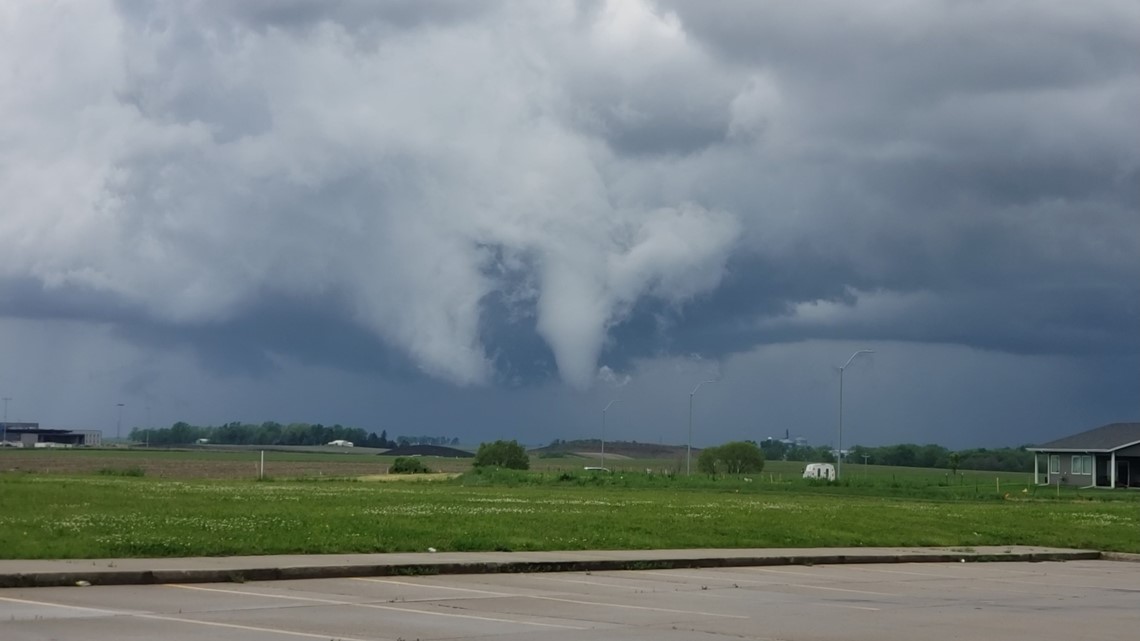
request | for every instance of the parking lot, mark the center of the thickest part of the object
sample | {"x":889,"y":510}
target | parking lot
{"x":928,"y":601}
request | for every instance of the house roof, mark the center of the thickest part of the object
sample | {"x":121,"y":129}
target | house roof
{"x":1105,"y":438}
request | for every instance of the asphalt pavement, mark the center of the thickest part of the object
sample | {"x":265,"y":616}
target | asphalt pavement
{"x":879,"y":601}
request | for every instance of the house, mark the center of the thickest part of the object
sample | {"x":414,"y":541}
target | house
{"x":1106,"y":456}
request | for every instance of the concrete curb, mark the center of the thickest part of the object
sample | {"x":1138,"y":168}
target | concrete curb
{"x":1120,"y":556}
{"x":335,"y":571}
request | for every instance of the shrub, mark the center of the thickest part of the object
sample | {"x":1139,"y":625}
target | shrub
{"x":736,"y":457}
{"x":408,"y":465}
{"x":706,"y":462}
{"x":508,"y":454}
{"x":122,"y":471}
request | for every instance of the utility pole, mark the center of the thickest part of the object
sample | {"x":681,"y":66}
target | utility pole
{"x":4,"y":430}
{"x":603,"y":463}
{"x":689,"y":444}
{"x":839,"y":450}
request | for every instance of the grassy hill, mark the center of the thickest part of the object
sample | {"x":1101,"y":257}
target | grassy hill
{"x":631,"y":449}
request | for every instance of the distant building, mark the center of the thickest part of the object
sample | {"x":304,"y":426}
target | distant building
{"x":32,"y":435}
{"x":798,"y":441}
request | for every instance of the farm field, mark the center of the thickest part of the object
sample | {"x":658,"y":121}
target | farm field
{"x":78,"y":512}
{"x":237,"y":462}
{"x":210,"y":463}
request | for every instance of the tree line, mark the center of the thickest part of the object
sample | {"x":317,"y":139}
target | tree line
{"x":1004,"y":459}
{"x":273,"y":433}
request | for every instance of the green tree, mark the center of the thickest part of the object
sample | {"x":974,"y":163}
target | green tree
{"x":708,"y":459}
{"x":408,"y":465}
{"x":735,"y":457}
{"x":740,"y":457}
{"x":822,"y":453}
{"x":508,"y":454}
{"x":775,"y":450}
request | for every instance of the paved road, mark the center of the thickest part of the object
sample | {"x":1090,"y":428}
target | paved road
{"x":927,"y":601}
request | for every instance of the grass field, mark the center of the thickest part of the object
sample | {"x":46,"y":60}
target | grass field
{"x":208,"y":463}
{"x":244,"y":463}
{"x":90,"y":504}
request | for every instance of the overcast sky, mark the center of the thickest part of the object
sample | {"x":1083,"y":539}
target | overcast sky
{"x":490,"y":219}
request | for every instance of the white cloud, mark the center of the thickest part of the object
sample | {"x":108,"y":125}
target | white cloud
{"x":191,"y":164}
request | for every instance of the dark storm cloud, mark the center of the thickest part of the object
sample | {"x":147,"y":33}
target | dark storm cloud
{"x":505,"y":193}
{"x":311,"y":333}
{"x":302,"y":15}
{"x":975,"y":161}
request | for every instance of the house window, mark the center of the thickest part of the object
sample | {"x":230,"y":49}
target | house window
{"x":1082,"y":465}
{"x":1054,"y":463}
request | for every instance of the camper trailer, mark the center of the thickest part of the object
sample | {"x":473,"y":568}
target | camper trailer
{"x":825,"y":471}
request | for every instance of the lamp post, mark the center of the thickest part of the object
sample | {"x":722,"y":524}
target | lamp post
{"x":4,"y":430}
{"x":119,"y":425}
{"x":689,"y":444}
{"x":604,"y":430}
{"x":839,"y":451}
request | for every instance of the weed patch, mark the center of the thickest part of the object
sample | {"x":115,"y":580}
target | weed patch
{"x":122,"y":471}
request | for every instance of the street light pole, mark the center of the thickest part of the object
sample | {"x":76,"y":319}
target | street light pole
{"x":839,"y":450}
{"x":689,"y":444}
{"x":4,"y":431}
{"x":604,"y":430}
{"x":119,"y":425}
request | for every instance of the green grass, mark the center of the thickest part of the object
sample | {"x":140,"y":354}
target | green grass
{"x":122,"y":471}
{"x":44,"y":516}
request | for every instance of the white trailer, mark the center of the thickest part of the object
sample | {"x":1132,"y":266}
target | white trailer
{"x":825,"y":471}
